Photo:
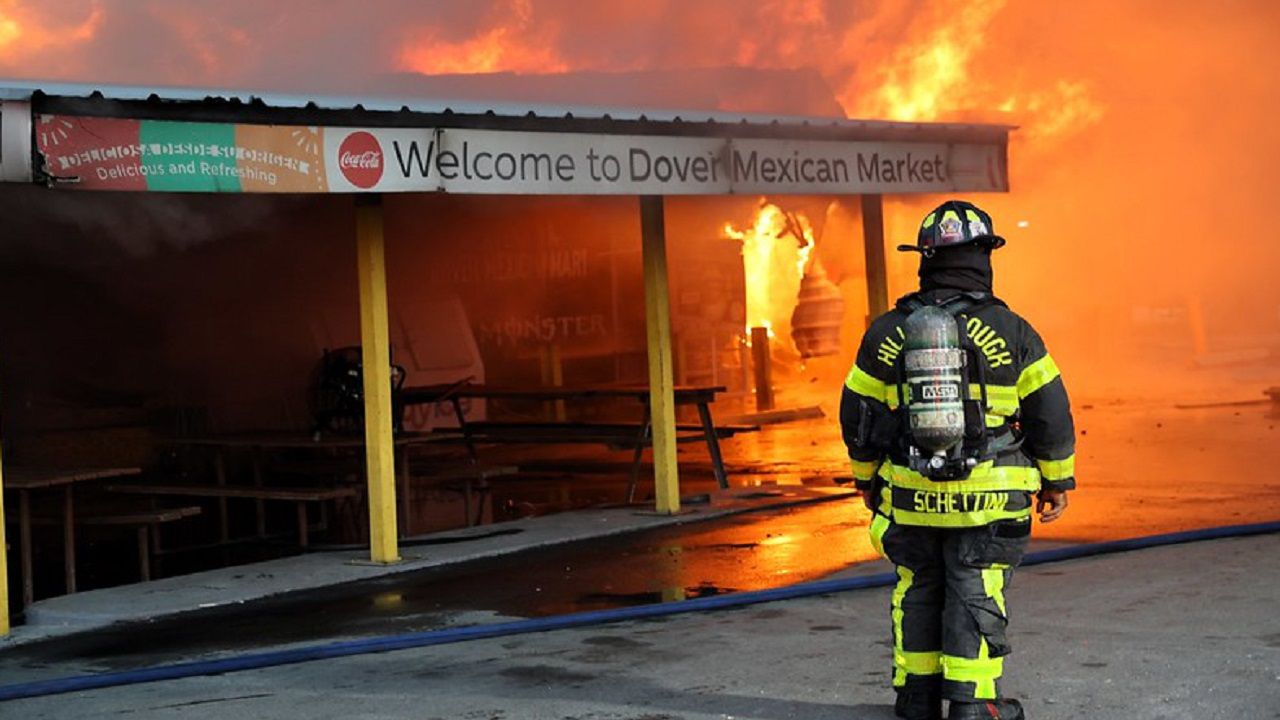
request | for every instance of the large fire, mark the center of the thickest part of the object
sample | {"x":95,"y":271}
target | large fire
{"x":906,"y":61}
{"x":926,"y":79}
{"x":930,"y":72}
{"x":1143,"y":128}
{"x":512,"y":44}
{"x":775,"y":253}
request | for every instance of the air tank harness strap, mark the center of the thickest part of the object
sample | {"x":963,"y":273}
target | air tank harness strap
{"x":955,"y":304}
{"x":981,"y":443}
{"x":1000,"y":441}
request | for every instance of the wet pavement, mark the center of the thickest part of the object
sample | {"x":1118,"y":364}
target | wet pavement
{"x":751,"y":551}
{"x":1196,"y":639}
{"x":1145,"y":467}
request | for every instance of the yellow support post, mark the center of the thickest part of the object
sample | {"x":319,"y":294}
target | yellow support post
{"x":4,"y":565}
{"x":873,"y":247}
{"x":376,"y":361}
{"x":666,"y":479}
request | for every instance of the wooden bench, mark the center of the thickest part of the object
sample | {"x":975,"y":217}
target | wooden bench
{"x":467,"y":479}
{"x":300,"y":496}
{"x":623,"y":432}
{"x":627,"y":435}
{"x":146,"y":522}
{"x":461,"y":476}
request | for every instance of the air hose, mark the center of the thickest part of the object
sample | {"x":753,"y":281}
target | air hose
{"x":252,"y":661}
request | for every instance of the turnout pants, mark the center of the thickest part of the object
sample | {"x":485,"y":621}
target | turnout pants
{"x":948,"y":608}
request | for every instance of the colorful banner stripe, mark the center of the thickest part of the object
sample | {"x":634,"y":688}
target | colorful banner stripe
{"x":163,"y":156}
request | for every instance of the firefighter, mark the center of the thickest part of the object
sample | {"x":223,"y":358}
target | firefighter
{"x":955,"y":520}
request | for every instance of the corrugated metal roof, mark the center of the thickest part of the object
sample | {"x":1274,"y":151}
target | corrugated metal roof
{"x":254,"y":106}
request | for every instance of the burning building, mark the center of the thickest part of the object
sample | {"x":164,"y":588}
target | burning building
{"x":171,"y":302}
{"x":514,"y":244}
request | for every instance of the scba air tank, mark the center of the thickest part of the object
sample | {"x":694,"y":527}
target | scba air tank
{"x":934,"y":369}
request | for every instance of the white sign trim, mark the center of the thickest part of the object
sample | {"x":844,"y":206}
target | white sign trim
{"x":15,"y":142}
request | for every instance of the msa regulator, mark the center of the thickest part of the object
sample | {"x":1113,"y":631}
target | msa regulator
{"x":935,"y":367}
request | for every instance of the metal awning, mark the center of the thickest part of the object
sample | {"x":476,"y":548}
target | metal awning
{"x":227,"y":105}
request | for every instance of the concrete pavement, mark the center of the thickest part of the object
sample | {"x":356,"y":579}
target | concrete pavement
{"x":1190,"y":631}
{"x":235,"y":585}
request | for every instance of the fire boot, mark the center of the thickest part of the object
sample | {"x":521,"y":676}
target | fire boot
{"x":918,"y":705}
{"x":1002,"y":709}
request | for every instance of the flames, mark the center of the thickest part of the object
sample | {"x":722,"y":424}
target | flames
{"x":1123,"y":113}
{"x":938,"y":78}
{"x":1067,"y":107}
{"x":25,"y":31}
{"x":513,"y":44}
{"x":946,"y":66}
{"x":932,"y":60}
{"x":496,"y":49}
{"x":930,"y":78}
{"x":775,"y":254}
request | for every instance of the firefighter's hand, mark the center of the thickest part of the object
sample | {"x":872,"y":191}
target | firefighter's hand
{"x":1050,"y":504}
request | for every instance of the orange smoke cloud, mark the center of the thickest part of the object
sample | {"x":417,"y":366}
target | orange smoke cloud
{"x":513,"y":44}
{"x":911,"y":61}
{"x":496,"y":49}
{"x":26,"y":33}
{"x":1146,"y":129}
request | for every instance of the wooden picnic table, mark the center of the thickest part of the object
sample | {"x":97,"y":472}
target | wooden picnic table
{"x":299,"y":496}
{"x":684,"y":394}
{"x":23,"y":481}
{"x":631,"y":435}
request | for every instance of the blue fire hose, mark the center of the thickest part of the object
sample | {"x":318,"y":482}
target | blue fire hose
{"x":427,"y":638}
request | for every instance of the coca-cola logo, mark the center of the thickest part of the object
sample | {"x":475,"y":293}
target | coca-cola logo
{"x":360,"y":159}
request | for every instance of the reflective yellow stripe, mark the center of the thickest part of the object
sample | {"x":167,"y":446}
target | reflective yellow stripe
{"x":983,"y":478}
{"x":905,"y":578}
{"x":993,"y":584}
{"x":1001,"y":399}
{"x":957,"y":519}
{"x":861,"y":382}
{"x":1037,"y":375}
{"x":864,"y":470}
{"x":1058,"y":469}
{"x":879,"y":524}
{"x":886,"y":501}
{"x":983,"y":672}
{"x":917,"y":663}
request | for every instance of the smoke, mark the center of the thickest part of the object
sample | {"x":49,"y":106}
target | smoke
{"x":1139,"y":221}
{"x":97,"y":229}
{"x":290,"y":44}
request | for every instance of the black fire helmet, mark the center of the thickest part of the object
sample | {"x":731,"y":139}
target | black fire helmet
{"x":954,"y":222}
